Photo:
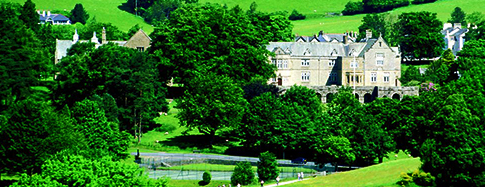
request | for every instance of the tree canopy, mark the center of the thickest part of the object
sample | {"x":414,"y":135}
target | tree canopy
{"x":78,"y":14}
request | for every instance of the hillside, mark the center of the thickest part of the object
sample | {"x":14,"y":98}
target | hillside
{"x":385,"y":174}
{"x":318,"y":19}
{"x":319,"y":13}
{"x":104,"y":11}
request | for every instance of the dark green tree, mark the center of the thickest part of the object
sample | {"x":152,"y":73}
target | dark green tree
{"x":454,"y":152}
{"x":333,"y":149}
{"x":352,"y":8}
{"x":243,"y":174}
{"x":442,"y":70}
{"x":210,"y":103}
{"x":295,"y":15}
{"x":29,"y":16}
{"x":32,"y":134}
{"x":458,"y":16}
{"x":198,"y":39}
{"x":103,"y":137}
{"x":419,"y":35}
{"x":23,"y":59}
{"x":411,"y":76}
{"x":267,"y":167}
{"x":374,"y":22}
{"x":272,"y":27}
{"x":78,"y":14}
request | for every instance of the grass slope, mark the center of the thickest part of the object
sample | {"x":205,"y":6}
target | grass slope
{"x":385,"y":174}
{"x":318,"y":19}
{"x":104,"y":10}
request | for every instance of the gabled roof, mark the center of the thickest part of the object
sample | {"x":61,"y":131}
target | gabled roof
{"x":53,"y":17}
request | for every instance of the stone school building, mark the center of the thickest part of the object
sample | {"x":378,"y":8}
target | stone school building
{"x":371,"y":67}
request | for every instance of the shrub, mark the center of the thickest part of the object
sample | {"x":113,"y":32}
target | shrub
{"x":206,"y":177}
{"x":295,"y":15}
{"x":166,"y":128}
{"x":423,"y":1}
{"x":417,"y":177}
{"x":352,"y":8}
{"x":267,"y":166}
{"x":243,"y":174}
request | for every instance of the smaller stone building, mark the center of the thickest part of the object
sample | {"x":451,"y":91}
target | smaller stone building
{"x":140,"y":41}
{"x":55,"y":19}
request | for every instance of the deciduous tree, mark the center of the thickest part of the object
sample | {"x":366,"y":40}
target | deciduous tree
{"x":267,"y":167}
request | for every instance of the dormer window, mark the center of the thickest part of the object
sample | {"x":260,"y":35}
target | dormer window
{"x":334,"y":53}
{"x":379,"y":59}
{"x":307,"y":52}
{"x":305,"y":62}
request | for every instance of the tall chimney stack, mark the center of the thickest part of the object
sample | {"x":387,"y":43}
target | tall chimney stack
{"x":103,"y":36}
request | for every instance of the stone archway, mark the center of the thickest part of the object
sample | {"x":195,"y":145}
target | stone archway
{"x":367,"y":98}
{"x":396,"y":96}
{"x":357,"y":96}
{"x":319,"y":95}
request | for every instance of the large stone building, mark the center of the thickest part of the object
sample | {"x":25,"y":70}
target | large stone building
{"x":371,"y":67}
{"x":140,"y":41}
{"x":369,"y":63}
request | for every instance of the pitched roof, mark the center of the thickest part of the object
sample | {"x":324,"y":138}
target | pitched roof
{"x":313,"y":49}
{"x":53,"y":17}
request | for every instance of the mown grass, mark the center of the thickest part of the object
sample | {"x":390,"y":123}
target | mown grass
{"x":385,"y":174}
{"x":104,"y":11}
{"x":192,"y":183}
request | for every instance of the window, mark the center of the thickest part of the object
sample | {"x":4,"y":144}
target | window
{"x":305,"y":76}
{"x":380,"y":59}
{"x":354,"y":64}
{"x":285,"y":64}
{"x":373,"y":77}
{"x":141,"y":49}
{"x":273,"y":62}
{"x":386,"y":77}
{"x":279,"y":63}
{"x":332,"y":62}
{"x":305,"y":62}
{"x":332,"y":77}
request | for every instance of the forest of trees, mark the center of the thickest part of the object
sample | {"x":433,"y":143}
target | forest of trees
{"x":63,"y":136}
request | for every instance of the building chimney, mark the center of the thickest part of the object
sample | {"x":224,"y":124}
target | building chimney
{"x":43,"y":13}
{"x":447,"y":25}
{"x":48,"y":13}
{"x":346,"y":39}
{"x":103,"y":36}
{"x":94,"y":39}
{"x":368,"y":34}
{"x":75,"y":38}
{"x":38,"y":12}
{"x":320,"y":33}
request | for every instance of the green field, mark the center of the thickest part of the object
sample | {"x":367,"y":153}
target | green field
{"x":317,"y":19}
{"x":317,"y":12}
{"x":104,"y":11}
{"x":385,"y":174}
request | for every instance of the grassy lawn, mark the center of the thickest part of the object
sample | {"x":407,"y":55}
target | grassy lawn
{"x":385,"y":174}
{"x":192,"y":183}
{"x":404,"y":67}
{"x":104,"y":11}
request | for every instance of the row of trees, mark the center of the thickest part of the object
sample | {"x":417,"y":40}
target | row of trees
{"x":376,"y":6}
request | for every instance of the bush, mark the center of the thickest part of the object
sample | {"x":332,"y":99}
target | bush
{"x":206,"y":177}
{"x":423,"y":1}
{"x":371,"y":6}
{"x":267,"y":166}
{"x":166,"y":128}
{"x":417,"y":177}
{"x":243,"y":174}
{"x":352,"y":8}
{"x":296,"y":16}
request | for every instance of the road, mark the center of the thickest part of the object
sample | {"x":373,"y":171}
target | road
{"x":197,"y":175}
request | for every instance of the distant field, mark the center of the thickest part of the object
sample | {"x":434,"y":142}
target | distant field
{"x":103,"y":10}
{"x":316,"y":11}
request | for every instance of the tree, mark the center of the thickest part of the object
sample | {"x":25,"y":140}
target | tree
{"x":267,"y":167}
{"x":411,"y":76}
{"x":374,"y":22}
{"x":333,"y":149}
{"x":458,"y":16}
{"x":442,"y":70}
{"x":352,"y":8}
{"x":22,"y":60}
{"x":454,"y":152}
{"x":243,"y":174}
{"x":78,"y":14}
{"x":422,"y":1}
{"x":272,"y":27}
{"x":295,"y":15}
{"x":32,"y":134}
{"x":103,"y":138}
{"x":474,"y":18}
{"x":199,"y":39}
{"x":29,"y":16}
{"x":211,"y":102}
{"x":419,"y":35}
